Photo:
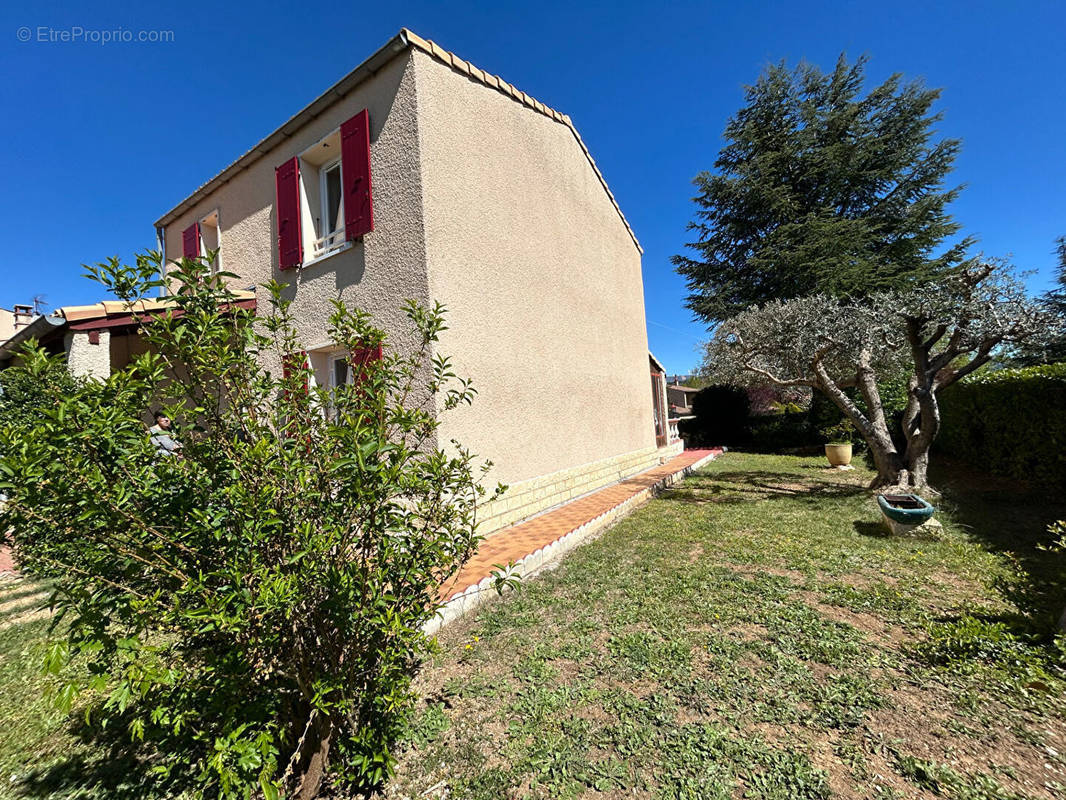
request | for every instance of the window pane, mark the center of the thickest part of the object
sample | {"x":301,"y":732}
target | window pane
{"x":340,"y":371}
{"x":334,"y":214}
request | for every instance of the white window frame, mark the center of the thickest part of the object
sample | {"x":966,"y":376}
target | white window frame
{"x":326,"y":241}
{"x":332,"y":360}
{"x":216,"y":212}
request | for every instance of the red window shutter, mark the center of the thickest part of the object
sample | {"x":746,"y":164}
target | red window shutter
{"x":190,"y":241}
{"x":355,"y":172}
{"x":362,"y":357}
{"x":287,"y":210}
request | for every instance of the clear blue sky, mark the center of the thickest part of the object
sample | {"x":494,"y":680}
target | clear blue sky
{"x":100,"y":139}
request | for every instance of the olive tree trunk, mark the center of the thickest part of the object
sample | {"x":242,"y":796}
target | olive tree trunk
{"x":907,"y":469}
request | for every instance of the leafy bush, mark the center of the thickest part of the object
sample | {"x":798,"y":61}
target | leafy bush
{"x":1012,"y":422}
{"x":251,"y":610}
{"x":26,"y":394}
{"x":780,"y":432}
{"x":721,"y":417}
{"x":841,"y":433}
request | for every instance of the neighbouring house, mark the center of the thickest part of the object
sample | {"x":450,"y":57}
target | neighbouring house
{"x":96,"y":339}
{"x":15,"y":319}
{"x":679,"y":399}
{"x":418,"y":175}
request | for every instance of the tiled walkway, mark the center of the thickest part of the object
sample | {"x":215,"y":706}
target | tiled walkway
{"x":518,"y":541}
{"x":7,"y":564}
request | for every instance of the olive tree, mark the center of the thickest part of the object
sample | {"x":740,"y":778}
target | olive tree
{"x":250,"y":610}
{"x":937,"y":333}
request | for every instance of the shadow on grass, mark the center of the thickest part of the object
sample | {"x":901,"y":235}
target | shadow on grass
{"x":877,"y":530}
{"x":109,"y":765}
{"x":874,"y":530}
{"x":748,"y":486}
{"x":1010,"y":518}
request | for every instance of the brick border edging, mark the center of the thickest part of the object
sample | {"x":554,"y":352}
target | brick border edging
{"x":475,"y":595}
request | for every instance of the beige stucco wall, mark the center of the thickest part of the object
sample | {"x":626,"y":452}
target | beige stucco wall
{"x":375,"y":275}
{"x":542,"y":279}
{"x":492,"y":208}
{"x":85,"y":359}
{"x":7,"y":324}
{"x":526,"y":498}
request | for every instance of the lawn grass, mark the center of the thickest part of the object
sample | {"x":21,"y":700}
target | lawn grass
{"x":754,"y":633}
{"x":751,"y":633}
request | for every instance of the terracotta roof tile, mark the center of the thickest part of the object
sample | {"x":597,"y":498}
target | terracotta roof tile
{"x":404,"y":39}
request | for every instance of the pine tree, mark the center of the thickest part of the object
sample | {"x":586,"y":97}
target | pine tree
{"x":1054,"y":350}
{"x":1056,"y":298}
{"x":821,"y":188}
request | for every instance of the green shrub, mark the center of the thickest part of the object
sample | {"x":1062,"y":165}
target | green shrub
{"x":250,"y":610}
{"x":1011,"y":422}
{"x":28,"y":393}
{"x":779,"y":432}
{"x":721,"y":417}
{"x":843,"y":432}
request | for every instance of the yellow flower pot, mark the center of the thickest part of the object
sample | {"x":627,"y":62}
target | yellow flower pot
{"x":839,"y":455}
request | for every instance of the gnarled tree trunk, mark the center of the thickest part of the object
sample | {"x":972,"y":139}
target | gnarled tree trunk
{"x":893,"y":468}
{"x":312,"y":757}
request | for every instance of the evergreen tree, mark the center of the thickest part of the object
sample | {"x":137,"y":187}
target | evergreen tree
{"x":820,"y":188}
{"x":1056,"y":298}
{"x":1055,"y":302}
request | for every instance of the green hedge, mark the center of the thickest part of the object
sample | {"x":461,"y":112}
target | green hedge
{"x":1010,"y":423}
{"x":778,"y":433}
{"x":721,"y":417}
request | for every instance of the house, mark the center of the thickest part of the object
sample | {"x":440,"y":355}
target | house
{"x":679,"y":399}
{"x":97,"y":338}
{"x":14,"y":319}
{"x":418,"y":175}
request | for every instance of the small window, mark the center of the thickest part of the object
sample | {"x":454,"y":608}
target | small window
{"x":340,"y":374}
{"x":211,"y":238}
{"x":331,"y":198}
{"x":340,"y":370}
{"x":322,"y":197}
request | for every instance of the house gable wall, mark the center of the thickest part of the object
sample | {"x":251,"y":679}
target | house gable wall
{"x":543,"y":280}
{"x":494,"y":209}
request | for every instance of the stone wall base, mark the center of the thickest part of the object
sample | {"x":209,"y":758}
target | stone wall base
{"x":531,"y":497}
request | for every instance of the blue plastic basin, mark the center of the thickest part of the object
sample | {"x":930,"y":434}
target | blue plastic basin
{"x":906,"y":509}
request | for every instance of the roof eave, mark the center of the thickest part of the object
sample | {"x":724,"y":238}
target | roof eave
{"x":383,"y":55}
{"x":35,"y":330}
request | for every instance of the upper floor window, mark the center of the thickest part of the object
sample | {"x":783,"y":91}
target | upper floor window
{"x":323,"y":195}
{"x":322,"y":198}
{"x":211,"y":238}
{"x":202,"y":237}
{"x":331,"y":225}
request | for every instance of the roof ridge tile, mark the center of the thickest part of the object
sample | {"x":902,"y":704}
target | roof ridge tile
{"x":408,"y":38}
